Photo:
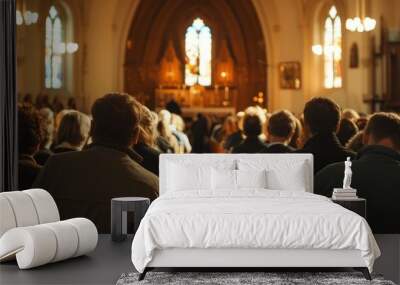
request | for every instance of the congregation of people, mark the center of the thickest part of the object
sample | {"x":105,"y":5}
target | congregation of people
{"x":84,"y":160}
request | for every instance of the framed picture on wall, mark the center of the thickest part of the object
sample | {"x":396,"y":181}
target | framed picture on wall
{"x":290,"y":75}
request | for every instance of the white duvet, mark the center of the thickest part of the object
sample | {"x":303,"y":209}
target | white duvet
{"x":250,"y":219}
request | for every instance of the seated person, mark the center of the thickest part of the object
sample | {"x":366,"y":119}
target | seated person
{"x":347,"y":130}
{"x":165,"y":131}
{"x":146,"y":143}
{"x":296,"y":140}
{"x":281,"y":127}
{"x":235,"y":138}
{"x":177,"y":128}
{"x":321,"y":122}
{"x":84,"y":182}
{"x":252,"y":127}
{"x":376,"y":173}
{"x":73,"y":132}
{"x":29,"y":138}
{"x":44,"y":152}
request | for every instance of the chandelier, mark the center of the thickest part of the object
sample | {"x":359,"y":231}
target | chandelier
{"x":24,"y":16}
{"x":360,"y":23}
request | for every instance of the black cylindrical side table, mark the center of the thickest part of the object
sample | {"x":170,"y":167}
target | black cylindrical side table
{"x":119,"y":209}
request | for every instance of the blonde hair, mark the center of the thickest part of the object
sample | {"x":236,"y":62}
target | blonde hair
{"x":147,"y":127}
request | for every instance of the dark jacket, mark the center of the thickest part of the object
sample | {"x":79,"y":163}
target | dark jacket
{"x":250,"y":145}
{"x":376,"y":176}
{"x":84,"y":182}
{"x":279,"y":148}
{"x":233,"y":140}
{"x":62,"y":149}
{"x":42,"y":156}
{"x":150,"y":157}
{"x":28,"y":170}
{"x":326,"y":149}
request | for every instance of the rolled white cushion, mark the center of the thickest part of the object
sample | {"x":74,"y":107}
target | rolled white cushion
{"x":33,"y":246}
{"x":23,"y":208}
{"x":7,"y":218}
{"x":87,"y":234}
{"x":67,"y":240}
{"x":45,"y":205}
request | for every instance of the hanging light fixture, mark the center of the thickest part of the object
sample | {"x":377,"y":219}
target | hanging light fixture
{"x":25,"y":16}
{"x":360,"y":23}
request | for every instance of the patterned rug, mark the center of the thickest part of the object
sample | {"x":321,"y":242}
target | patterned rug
{"x":243,"y":278}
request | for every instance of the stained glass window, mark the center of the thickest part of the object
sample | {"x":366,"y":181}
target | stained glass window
{"x":198,"y":54}
{"x":333,"y":50}
{"x":55,"y":49}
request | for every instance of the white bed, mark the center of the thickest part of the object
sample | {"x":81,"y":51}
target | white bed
{"x":218,"y":224}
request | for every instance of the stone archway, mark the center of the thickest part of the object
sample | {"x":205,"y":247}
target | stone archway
{"x":158,"y":22}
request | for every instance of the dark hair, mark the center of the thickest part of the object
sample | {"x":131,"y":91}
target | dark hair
{"x":321,"y":115}
{"x":252,"y":125}
{"x":71,"y":129}
{"x":347,"y":129}
{"x":281,"y":124}
{"x":116,"y":118}
{"x":356,"y":142}
{"x":384,"y":125}
{"x":29,"y":129}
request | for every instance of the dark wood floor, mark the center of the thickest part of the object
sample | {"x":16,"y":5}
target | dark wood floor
{"x":110,"y":260}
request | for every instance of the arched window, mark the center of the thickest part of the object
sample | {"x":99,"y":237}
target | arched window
{"x":333,"y":50}
{"x":198,"y":54}
{"x":55,"y":50}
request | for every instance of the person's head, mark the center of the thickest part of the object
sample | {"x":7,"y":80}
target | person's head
{"x":350,"y":114}
{"x":29,"y":129}
{"x":239,"y":118}
{"x":383,"y":129}
{"x":74,"y":129}
{"x":230,"y":125}
{"x":47,"y":117}
{"x":177,"y":122}
{"x":165,"y":117}
{"x":281,"y":127}
{"x":347,"y":129}
{"x":58,"y":118}
{"x":71,"y":103}
{"x":362,"y":122}
{"x":116,"y":118}
{"x":356,"y":142}
{"x":296,"y":140}
{"x":147,"y":127}
{"x":321,"y":115}
{"x":252,"y":125}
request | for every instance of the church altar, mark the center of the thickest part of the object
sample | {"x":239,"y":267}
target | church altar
{"x":197,"y":99}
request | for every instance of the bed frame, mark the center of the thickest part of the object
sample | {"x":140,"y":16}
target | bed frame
{"x":242,"y":259}
{"x":250,"y":259}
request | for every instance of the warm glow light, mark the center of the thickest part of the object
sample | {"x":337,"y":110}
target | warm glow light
{"x":317,"y":49}
{"x":28,"y":17}
{"x":223,"y":74}
{"x":360,"y":25}
{"x":72,"y":47}
{"x":19,"y":18}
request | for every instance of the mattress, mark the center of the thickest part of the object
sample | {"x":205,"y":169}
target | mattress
{"x":250,"y":219}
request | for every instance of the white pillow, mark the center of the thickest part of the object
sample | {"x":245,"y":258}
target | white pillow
{"x":291,"y":179}
{"x":281,"y":174}
{"x":251,"y":178}
{"x":223,"y":179}
{"x":183,"y":177}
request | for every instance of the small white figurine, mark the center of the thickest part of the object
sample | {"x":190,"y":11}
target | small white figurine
{"x":347,"y":174}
